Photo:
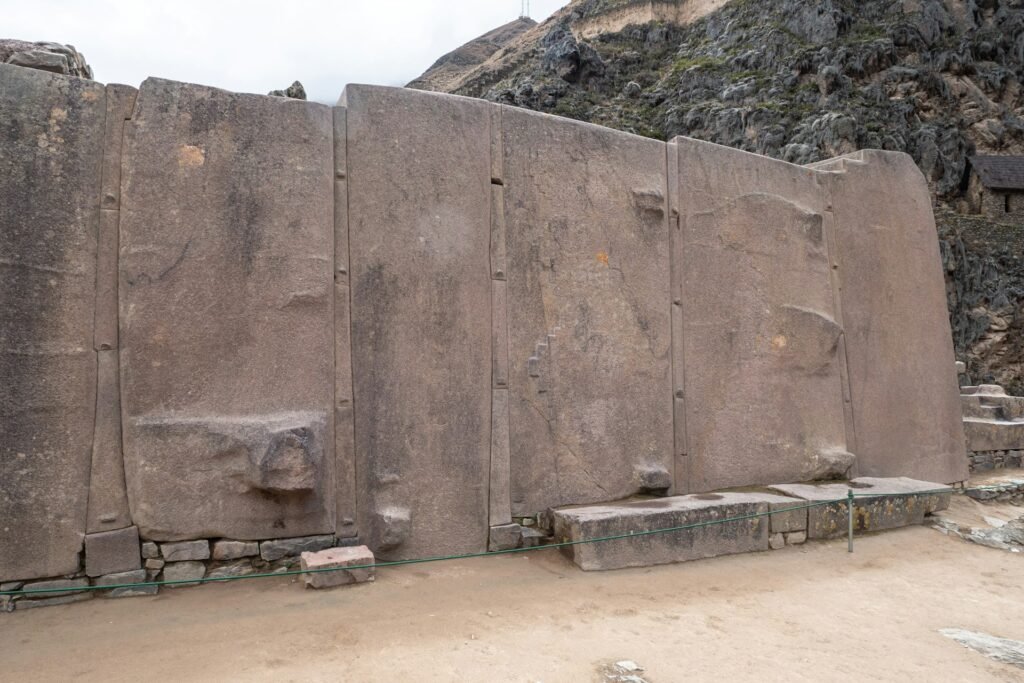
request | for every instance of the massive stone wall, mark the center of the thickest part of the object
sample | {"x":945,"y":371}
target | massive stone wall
{"x":416,"y":319}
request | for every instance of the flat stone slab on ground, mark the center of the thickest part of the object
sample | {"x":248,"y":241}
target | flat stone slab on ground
{"x":125,"y":582}
{"x":51,"y":602}
{"x":338,"y":558}
{"x":893,"y":503}
{"x":59,"y":587}
{"x":633,"y":516}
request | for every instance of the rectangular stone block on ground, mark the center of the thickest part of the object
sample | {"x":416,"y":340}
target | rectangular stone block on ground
{"x":338,"y":559}
{"x":879,"y":504}
{"x":226,"y":300}
{"x":760,"y":330}
{"x":50,"y":159}
{"x":109,"y":552}
{"x":899,"y":347}
{"x":419,"y":233}
{"x":631,"y":517}
{"x":589,"y":329}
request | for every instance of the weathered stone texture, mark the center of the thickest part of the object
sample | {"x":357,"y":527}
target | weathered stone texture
{"x":338,"y":560}
{"x":419,"y":226}
{"x":232,"y":550}
{"x":505,"y":537}
{"x":898,"y":342}
{"x":993,"y":435}
{"x":189,"y":572}
{"x":879,"y":504}
{"x":120,"y":100}
{"x":291,"y":547}
{"x":227,"y":314}
{"x":344,"y":418}
{"x":185,"y":550}
{"x":109,"y":552}
{"x":760,"y":333}
{"x":603,"y":521}
{"x":588,"y":310}
{"x":108,"y":497}
{"x":51,"y":132}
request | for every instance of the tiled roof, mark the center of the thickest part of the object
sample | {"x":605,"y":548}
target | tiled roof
{"x":1000,"y":172}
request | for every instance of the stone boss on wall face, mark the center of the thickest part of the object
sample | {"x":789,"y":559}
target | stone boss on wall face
{"x":415,"y":315}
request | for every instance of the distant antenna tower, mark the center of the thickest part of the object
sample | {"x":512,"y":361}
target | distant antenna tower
{"x":524,"y":13}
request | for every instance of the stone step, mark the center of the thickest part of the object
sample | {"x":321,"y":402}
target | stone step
{"x":993,"y":435}
{"x":880,"y":504}
{"x":631,"y":516}
{"x":892,"y":503}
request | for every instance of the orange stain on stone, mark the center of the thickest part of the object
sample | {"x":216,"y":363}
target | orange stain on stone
{"x":602,"y":257}
{"x":190,"y":156}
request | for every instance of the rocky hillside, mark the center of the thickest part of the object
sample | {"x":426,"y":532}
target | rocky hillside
{"x":444,"y":74}
{"x":805,"y":80}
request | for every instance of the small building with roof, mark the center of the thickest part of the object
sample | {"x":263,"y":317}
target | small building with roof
{"x":996,"y":185}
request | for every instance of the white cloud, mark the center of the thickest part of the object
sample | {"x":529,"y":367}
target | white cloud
{"x":258,"y":46}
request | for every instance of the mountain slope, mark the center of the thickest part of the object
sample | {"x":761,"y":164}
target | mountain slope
{"x":449,"y":69}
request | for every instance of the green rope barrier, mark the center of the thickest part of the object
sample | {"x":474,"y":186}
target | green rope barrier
{"x":465,"y":556}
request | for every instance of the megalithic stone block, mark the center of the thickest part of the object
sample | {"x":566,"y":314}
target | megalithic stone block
{"x":760,"y":330}
{"x":590,"y":395}
{"x":227,"y":298}
{"x":51,"y":129}
{"x":898,"y":340}
{"x":419,"y":188}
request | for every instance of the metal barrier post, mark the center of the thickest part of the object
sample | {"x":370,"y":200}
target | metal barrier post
{"x":849,"y":509}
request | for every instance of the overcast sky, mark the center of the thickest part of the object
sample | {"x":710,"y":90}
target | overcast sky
{"x":258,"y":46}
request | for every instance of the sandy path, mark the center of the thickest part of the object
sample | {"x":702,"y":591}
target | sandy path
{"x":801,"y":614}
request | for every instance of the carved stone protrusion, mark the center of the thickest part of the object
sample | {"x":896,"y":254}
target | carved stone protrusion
{"x":830,"y":464}
{"x":393,"y":525}
{"x":652,"y":479}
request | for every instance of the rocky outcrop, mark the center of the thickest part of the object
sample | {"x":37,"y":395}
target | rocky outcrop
{"x":53,"y":57}
{"x":294,"y":91}
{"x":985,"y":293}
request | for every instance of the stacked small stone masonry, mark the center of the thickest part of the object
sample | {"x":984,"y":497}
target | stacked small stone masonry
{"x":185,"y":562}
{"x":986,"y":461}
{"x":1008,"y":491}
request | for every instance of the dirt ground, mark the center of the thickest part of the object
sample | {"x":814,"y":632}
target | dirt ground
{"x":811,"y":613}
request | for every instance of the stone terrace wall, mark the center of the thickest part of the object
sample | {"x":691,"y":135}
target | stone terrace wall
{"x":414,"y":318}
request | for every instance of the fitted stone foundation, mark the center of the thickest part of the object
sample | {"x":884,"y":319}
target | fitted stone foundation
{"x":411,"y":318}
